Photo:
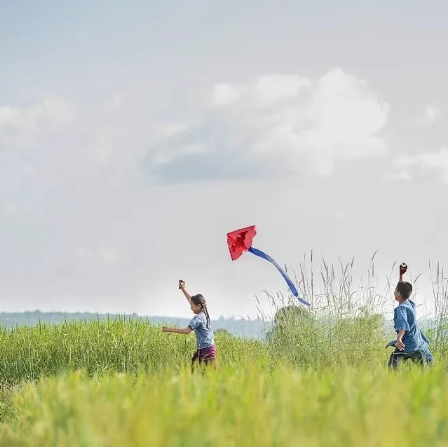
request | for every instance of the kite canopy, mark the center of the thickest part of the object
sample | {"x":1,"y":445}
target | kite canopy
{"x":239,"y":241}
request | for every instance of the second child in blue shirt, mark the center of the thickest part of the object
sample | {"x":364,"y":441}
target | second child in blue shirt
{"x":411,"y":342}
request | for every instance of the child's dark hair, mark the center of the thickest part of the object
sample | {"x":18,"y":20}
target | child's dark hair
{"x":405,"y":289}
{"x":199,"y":300}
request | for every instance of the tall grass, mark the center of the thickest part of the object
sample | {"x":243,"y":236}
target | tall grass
{"x":345,"y":323}
{"x":439,"y":330}
{"x":349,"y":407}
{"x":344,"y":326}
{"x":318,"y":379}
{"x":104,"y":347}
{"x":335,"y":294}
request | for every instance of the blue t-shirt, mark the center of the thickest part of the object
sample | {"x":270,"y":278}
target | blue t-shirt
{"x":405,"y":318}
{"x":204,"y":334}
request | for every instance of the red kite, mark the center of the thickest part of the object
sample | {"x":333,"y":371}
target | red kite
{"x":240,"y":241}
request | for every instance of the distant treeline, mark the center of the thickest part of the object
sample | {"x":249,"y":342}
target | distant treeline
{"x":239,"y":327}
{"x":255,"y":328}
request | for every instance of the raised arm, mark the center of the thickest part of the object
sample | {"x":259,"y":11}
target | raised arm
{"x":184,"y":291}
{"x":403,"y":269}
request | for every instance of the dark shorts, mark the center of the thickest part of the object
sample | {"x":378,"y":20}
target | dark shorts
{"x":204,"y":355}
{"x":419,"y":357}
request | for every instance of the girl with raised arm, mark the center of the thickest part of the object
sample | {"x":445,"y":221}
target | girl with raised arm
{"x":200,"y":324}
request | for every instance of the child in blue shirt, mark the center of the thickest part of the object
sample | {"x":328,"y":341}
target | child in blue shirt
{"x":200,"y":324}
{"x":411,"y":342}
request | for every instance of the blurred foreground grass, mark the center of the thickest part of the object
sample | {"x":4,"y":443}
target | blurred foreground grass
{"x":244,"y":406}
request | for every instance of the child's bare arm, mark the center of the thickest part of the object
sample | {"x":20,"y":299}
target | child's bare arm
{"x":403,"y":269}
{"x":184,"y":291}
{"x":185,"y":331}
{"x":400,"y":344}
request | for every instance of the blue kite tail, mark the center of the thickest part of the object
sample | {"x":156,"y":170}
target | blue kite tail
{"x":291,"y":285}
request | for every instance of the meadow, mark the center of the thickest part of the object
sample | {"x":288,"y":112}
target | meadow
{"x":318,"y":378}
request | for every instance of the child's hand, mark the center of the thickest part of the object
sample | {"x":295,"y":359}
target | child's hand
{"x":400,"y":344}
{"x":181,"y":284}
{"x":403,"y":268}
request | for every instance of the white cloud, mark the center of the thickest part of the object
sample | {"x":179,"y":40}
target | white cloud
{"x":265,"y":91}
{"x":108,"y":255}
{"x":10,"y":210}
{"x":278,"y":124}
{"x":436,"y":161}
{"x":404,"y":176}
{"x":28,"y":170}
{"x":224,"y":95}
{"x":22,"y":126}
{"x":430,"y":115}
{"x":114,"y":102}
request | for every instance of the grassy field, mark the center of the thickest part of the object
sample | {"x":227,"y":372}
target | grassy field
{"x":124,"y":383}
{"x":318,"y":379}
{"x":236,"y":407}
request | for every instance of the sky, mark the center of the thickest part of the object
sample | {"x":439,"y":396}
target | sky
{"x":134,"y":135}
